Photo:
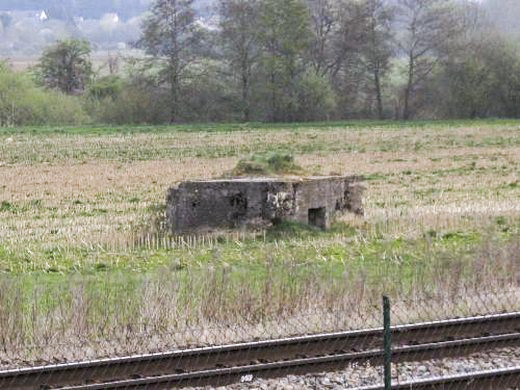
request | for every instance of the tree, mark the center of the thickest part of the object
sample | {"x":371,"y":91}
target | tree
{"x":240,"y":37}
{"x":427,"y":27}
{"x":66,"y":66}
{"x":324,"y":24}
{"x":170,"y":35}
{"x":348,"y":39}
{"x":338,"y":35}
{"x":481,"y":80}
{"x":285,"y":38}
{"x":377,"y":50}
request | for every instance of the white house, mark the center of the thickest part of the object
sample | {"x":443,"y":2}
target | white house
{"x":43,"y":16}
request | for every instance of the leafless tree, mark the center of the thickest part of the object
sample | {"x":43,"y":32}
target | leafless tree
{"x":324,"y":24}
{"x":240,"y":32}
{"x":426,"y":29}
{"x":378,"y":49}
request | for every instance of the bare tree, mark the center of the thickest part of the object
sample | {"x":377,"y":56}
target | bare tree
{"x":377,"y":50}
{"x":324,"y":24}
{"x":240,"y":34}
{"x":426,"y":28}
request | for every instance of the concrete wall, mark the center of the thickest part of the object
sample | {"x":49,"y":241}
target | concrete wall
{"x":222,"y":204}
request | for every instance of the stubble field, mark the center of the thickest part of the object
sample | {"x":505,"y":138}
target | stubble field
{"x":86,"y":270}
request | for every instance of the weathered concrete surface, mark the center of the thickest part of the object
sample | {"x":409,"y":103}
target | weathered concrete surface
{"x":222,"y":204}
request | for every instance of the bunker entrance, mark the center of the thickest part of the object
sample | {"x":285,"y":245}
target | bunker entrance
{"x":317,"y":217}
{"x":238,"y":203}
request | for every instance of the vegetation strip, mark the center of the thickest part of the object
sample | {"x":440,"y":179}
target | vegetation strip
{"x":321,"y":350}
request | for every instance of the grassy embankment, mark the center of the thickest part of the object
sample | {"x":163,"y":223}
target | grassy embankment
{"x":82,"y":261}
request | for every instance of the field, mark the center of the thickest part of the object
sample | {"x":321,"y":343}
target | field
{"x":87,"y":270}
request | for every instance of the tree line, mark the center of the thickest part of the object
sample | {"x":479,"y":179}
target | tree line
{"x":302,"y":60}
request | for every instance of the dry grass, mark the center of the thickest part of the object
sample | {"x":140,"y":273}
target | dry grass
{"x":430,"y":178}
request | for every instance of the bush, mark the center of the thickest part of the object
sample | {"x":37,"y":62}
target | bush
{"x":106,"y":87}
{"x":316,"y":98}
{"x":23,"y":103}
{"x":136,"y":100}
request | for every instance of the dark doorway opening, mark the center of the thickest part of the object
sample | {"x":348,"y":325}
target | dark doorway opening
{"x":238,"y":203}
{"x":318,"y":217}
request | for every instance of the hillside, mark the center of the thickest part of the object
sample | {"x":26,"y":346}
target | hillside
{"x":28,"y":26}
{"x":91,"y":9}
{"x":88,"y":9}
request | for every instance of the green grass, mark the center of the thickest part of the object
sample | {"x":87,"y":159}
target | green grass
{"x":230,"y":127}
{"x":286,"y":244}
{"x":242,"y":284}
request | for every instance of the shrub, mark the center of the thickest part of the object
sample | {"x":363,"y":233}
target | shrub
{"x":142,"y":98}
{"x":106,"y":87}
{"x":135,"y":101}
{"x":316,"y":98}
{"x":23,"y":103}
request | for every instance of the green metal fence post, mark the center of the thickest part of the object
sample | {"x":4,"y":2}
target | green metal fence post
{"x":387,"y":343}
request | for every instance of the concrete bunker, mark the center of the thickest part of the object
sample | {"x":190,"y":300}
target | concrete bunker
{"x":204,"y":205}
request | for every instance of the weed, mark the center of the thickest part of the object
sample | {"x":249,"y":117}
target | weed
{"x":6,"y":206}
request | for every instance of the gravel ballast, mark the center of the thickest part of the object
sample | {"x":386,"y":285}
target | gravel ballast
{"x":359,"y":376}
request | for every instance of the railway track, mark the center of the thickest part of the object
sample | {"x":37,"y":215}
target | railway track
{"x":508,"y":378}
{"x":297,"y":355}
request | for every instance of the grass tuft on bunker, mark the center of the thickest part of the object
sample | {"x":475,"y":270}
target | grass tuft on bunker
{"x":274,"y":163}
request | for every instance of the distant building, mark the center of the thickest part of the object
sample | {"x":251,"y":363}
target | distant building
{"x":43,"y":16}
{"x":112,"y":17}
{"x":109,"y":21}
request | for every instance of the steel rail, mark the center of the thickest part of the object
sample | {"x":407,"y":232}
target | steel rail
{"x":482,"y":380}
{"x":225,"y":376}
{"x":345,"y":344}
